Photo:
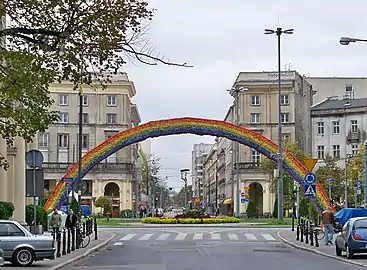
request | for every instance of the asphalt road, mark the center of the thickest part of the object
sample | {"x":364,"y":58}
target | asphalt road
{"x":203,"y":249}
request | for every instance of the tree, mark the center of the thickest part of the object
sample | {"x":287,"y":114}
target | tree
{"x":179,"y":198}
{"x":275,"y":209}
{"x":289,"y":196}
{"x":252,"y":211}
{"x":105,"y":203}
{"x":24,"y":98}
{"x":331,"y":170}
{"x":355,"y":171}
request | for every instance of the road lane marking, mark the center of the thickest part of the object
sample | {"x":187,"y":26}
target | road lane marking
{"x":250,"y":236}
{"x":181,"y":236}
{"x":145,"y":237}
{"x":215,"y":236}
{"x":198,"y":236}
{"x":232,"y":236}
{"x":163,"y":236}
{"x":268,"y":237}
{"x":128,"y":237}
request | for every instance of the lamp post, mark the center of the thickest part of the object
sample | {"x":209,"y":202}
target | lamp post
{"x":279,"y":31}
{"x":216,"y":185}
{"x":345,"y":41}
{"x":232,"y":185}
{"x":235,"y":92}
{"x":184,"y":173}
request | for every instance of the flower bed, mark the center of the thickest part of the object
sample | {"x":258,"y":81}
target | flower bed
{"x":157,"y":220}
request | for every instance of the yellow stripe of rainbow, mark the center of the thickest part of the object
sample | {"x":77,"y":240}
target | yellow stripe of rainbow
{"x":186,"y":125}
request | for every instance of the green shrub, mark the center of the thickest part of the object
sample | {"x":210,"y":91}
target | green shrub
{"x":41,"y":215}
{"x":194,"y":213}
{"x":252,"y":210}
{"x":275,"y":209}
{"x":6,"y":210}
{"x":156,"y":220}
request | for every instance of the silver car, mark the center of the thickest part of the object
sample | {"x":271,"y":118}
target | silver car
{"x":22,"y":248}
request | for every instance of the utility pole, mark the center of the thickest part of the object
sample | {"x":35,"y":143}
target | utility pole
{"x":365,"y":176}
{"x":184,"y":173}
{"x":80,"y":138}
{"x":216,"y":184}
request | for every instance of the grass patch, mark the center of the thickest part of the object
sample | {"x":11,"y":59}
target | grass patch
{"x":268,"y":221}
{"x":115,"y":221}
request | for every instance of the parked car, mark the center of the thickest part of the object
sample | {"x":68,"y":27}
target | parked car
{"x":22,"y":248}
{"x":353,"y":238}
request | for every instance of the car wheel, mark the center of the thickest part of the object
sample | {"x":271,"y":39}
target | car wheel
{"x":337,"y":250}
{"x":350,"y":253}
{"x":23,"y":257}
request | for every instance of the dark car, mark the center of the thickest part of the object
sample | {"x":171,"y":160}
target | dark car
{"x":353,"y":238}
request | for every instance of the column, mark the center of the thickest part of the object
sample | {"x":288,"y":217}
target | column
{"x":11,"y":153}
{"x":19,"y":181}
{"x":3,"y":173}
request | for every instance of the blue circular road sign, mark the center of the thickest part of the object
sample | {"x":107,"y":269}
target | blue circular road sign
{"x":310,"y":178}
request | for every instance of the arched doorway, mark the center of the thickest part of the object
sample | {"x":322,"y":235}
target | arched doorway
{"x":112,"y":190}
{"x":184,"y":125}
{"x":256,"y":195}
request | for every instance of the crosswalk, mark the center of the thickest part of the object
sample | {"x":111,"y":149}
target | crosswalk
{"x":264,"y":237}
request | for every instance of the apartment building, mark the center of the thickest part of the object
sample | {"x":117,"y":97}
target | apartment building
{"x":199,"y":152}
{"x":211,"y":191}
{"x":339,"y":128}
{"x":106,"y":112}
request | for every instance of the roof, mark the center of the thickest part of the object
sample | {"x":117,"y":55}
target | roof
{"x":337,"y":104}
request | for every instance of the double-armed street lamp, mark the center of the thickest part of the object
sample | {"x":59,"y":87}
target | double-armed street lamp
{"x":346,"y":41}
{"x":184,"y":173}
{"x":279,"y":31}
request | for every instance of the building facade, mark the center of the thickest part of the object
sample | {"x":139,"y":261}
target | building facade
{"x":339,"y":128}
{"x":106,"y":112}
{"x":199,"y":152}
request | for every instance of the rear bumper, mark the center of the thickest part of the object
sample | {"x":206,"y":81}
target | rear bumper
{"x":45,"y":254}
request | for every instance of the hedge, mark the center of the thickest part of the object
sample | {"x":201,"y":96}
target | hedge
{"x":156,"y":220}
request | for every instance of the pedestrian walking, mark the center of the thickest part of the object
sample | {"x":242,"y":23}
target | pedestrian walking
{"x":55,"y":222}
{"x":71,"y":220}
{"x":327,"y":222}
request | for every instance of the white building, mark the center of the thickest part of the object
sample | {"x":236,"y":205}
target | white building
{"x":339,"y":127}
{"x":198,"y":156}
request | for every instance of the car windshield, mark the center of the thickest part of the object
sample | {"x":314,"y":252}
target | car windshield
{"x":360,"y":224}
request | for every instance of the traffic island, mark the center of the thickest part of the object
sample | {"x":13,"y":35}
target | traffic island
{"x":199,"y":220}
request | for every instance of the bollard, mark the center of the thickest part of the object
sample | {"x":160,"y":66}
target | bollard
{"x":77,"y":236}
{"x":306,"y":231}
{"x":316,"y":239}
{"x":84,"y":228}
{"x":311,"y":235}
{"x":58,"y":247}
{"x":90,"y":226}
{"x":293,"y":217}
{"x":297,"y":236}
{"x":69,"y":241}
{"x":73,"y":239}
{"x":302,"y":230}
{"x":95,"y":229}
{"x":63,"y":242}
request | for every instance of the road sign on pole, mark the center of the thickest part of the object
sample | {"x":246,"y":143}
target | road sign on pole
{"x":310,"y":178}
{"x":310,"y":190}
{"x":310,"y":163}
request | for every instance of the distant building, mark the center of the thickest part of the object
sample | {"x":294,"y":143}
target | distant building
{"x":198,"y":157}
{"x":339,"y":127}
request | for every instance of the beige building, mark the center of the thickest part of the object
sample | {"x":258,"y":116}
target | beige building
{"x":197,"y":162}
{"x":105,"y":113}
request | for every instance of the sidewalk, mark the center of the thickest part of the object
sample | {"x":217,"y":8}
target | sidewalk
{"x":289,"y":238}
{"x":103,"y":240}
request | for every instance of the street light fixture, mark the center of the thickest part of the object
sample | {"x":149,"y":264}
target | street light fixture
{"x":279,"y":31}
{"x":346,"y":40}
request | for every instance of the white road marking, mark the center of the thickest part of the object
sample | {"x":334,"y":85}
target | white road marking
{"x":268,"y":237}
{"x":163,"y":236}
{"x":118,"y":244}
{"x":250,"y":236}
{"x":215,"y":236}
{"x":145,"y":237}
{"x":181,"y":236}
{"x":232,"y":236}
{"x":198,"y":236}
{"x":128,"y":237}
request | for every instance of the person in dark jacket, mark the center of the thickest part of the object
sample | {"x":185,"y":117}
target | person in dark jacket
{"x":71,"y":220}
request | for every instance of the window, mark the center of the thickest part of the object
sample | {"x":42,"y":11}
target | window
{"x":85,"y":118}
{"x":85,"y":100}
{"x":336,"y":127}
{"x":63,"y":141}
{"x":320,"y":152}
{"x":320,"y":128}
{"x":354,"y":149}
{"x":10,"y":229}
{"x":255,"y":118}
{"x":348,"y":88}
{"x":284,"y":100}
{"x":354,"y":125}
{"x":336,"y":151}
{"x":64,"y":118}
{"x":43,"y":140}
{"x":85,"y":141}
{"x":111,"y":100}
{"x":111,"y":118}
{"x":255,"y":156}
{"x":255,"y":100}
{"x":63,"y":100}
{"x":284,"y":117}
{"x":286,"y":136}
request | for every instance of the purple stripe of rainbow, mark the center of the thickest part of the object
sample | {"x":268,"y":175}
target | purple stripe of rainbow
{"x":195,"y":126}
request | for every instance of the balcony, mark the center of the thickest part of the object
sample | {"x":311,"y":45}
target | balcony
{"x":55,"y":167}
{"x":247,"y":166}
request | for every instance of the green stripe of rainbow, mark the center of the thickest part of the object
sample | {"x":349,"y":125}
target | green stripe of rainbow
{"x":185,"y":125}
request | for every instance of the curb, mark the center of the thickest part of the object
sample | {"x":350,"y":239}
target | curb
{"x":194,"y":226}
{"x":315,"y":251}
{"x":85,"y":254}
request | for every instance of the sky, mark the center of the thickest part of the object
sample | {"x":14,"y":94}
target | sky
{"x":222,"y":38}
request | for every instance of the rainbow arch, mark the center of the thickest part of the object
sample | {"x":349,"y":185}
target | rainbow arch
{"x":186,"y":125}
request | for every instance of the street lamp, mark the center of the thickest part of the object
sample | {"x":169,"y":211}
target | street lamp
{"x":346,"y":40}
{"x":184,"y":173}
{"x":235,"y":92}
{"x":279,"y":31}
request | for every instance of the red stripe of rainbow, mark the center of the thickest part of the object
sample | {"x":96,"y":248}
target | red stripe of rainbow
{"x":185,"y":125}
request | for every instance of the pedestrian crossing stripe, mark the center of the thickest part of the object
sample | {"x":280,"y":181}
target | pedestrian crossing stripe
{"x":198,"y":236}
